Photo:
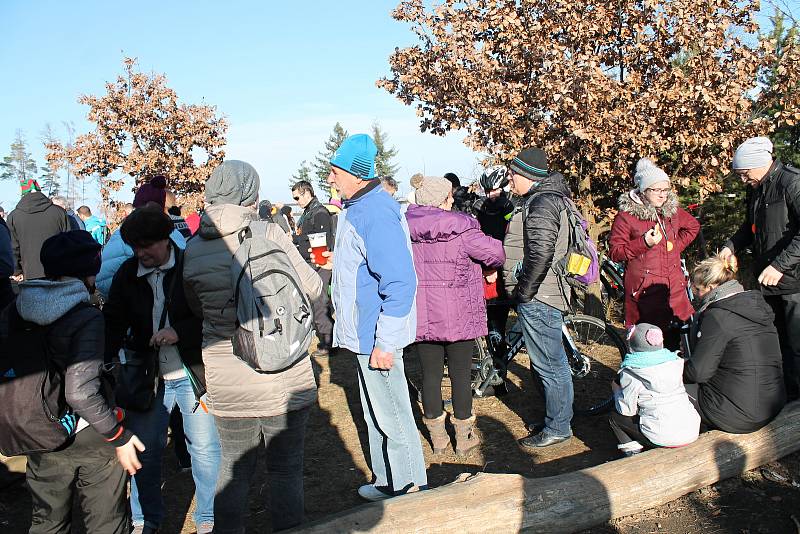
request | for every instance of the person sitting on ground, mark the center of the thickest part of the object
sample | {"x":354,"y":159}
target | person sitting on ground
{"x":651,"y":404}
{"x":449,"y":251}
{"x":116,"y":251}
{"x":86,"y":471}
{"x":735,"y":371}
{"x":93,"y":224}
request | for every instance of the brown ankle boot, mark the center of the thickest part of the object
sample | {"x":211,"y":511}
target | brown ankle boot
{"x":466,"y":435}
{"x":440,"y":441}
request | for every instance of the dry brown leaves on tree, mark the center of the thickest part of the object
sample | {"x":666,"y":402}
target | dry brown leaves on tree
{"x":142,"y":130}
{"x":597,"y":84}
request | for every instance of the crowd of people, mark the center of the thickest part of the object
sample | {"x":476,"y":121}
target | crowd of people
{"x":170,"y":325}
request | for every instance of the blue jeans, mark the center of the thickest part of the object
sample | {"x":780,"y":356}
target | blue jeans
{"x":147,"y":506}
{"x":541,"y":328}
{"x":395,"y":448}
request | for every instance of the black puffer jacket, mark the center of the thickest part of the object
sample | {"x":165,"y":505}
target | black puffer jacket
{"x":315,"y":219}
{"x":130,"y":305}
{"x":772,"y":227}
{"x":494,"y":215}
{"x":74,"y":332}
{"x":736,"y":360}
{"x":34,"y":220}
{"x":544,"y":238}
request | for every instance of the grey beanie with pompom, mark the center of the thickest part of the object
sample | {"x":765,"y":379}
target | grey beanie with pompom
{"x":647,"y":174}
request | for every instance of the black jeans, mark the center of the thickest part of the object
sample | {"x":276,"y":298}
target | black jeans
{"x":88,"y":469}
{"x":459,"y":360}
{"x":323,"y":310}
{"x":284,"y":438}
{"x":626,"y":428}
{"x":787,"y":322}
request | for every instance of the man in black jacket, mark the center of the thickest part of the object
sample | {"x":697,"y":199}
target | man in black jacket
{"x":539,"y":234}
{"x":147,"y":298}
{"x":316,"y":219}
{"x":772,"y":230}
{"x":85,"y":471}
{"x":34,"y":220}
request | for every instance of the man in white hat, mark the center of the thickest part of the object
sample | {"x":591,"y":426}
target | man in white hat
{"x":771,"y":230}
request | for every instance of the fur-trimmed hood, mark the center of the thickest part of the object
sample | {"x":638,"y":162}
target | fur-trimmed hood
{"x":631,"y":202}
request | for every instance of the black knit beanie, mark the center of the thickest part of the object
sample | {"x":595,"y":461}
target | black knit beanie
{"x":74,"y":253}
{"x":530,"y":163}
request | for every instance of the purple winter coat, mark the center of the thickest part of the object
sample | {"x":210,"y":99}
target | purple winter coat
{"x":449,"y":249}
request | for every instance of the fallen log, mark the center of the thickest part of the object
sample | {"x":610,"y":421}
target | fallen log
{"x":577,"y":500}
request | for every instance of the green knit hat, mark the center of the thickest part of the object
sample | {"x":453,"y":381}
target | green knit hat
{"x":29,"y":186}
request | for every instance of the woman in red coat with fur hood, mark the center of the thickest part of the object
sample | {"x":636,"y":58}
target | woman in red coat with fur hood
{"x":649,"y":233}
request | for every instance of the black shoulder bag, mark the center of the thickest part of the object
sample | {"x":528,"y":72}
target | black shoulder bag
{"x":137,"y":380}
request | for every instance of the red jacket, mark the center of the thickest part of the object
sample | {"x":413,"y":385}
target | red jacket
{"x":655,"y":288}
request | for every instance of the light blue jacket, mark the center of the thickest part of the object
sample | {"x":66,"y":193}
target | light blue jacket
{"x":97,"y":227}
{"x":115,"y":253}
{"x":374,"y":284}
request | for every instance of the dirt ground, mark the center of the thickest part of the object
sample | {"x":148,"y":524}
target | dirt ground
{"x":335,"y":466}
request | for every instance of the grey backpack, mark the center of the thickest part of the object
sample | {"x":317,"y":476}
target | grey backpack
{"x":273,"y":315}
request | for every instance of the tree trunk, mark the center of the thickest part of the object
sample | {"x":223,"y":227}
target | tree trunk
{"x":577,"y":500}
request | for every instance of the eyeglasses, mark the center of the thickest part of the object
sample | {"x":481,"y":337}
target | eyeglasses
{"x":660,"y":191}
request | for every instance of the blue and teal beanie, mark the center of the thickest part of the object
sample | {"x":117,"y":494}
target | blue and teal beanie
{"x":356,"y":155}
{"x":530,"y":163}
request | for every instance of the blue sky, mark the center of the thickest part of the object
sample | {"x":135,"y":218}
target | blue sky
{"x":282,"y":73}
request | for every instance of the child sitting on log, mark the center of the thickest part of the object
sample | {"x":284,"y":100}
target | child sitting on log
{"x":652,"y":408}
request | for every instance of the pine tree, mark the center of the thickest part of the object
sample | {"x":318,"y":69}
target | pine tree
{"x":785,"y":34}
{"x":321,"y":165}
{"x":383,"y":160}
{"x":49,"y":179}
{"x":19,"y":165}
{"x":302,"y":173}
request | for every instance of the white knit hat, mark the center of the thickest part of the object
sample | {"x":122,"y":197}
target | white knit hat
{"x":647,"y":174}
{"x":754,"y":153}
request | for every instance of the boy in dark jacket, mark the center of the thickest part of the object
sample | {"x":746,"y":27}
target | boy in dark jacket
{"x":147,"y":299}
{"x":88,"y":467}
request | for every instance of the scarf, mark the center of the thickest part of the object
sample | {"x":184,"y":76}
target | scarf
{"x":729,"y":288}
{"x":649,"y":358}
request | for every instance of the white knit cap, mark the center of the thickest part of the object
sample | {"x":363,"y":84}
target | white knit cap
{"x":647,"y":174}
{"x":754,"y":153}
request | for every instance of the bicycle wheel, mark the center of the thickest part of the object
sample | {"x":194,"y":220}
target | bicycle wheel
{"x":594,"y":361}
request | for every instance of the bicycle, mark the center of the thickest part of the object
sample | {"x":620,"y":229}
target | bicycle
{"x":594,"y":352}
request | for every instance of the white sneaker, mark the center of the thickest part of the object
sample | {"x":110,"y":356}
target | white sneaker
{"x":370,"y":493}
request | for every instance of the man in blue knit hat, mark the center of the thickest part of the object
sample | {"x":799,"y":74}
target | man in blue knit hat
{"x":374,"y":290}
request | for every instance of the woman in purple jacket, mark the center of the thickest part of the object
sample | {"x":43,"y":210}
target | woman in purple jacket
{"x":449,"y":251}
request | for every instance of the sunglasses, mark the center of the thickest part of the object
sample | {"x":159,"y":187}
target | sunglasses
{"x":296,"y":198}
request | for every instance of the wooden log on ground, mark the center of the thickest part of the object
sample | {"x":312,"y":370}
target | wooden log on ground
{"x":576,"y":500}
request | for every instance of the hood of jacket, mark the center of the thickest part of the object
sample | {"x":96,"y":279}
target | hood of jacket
{"x":665,"y":377}
{"x":429,"y":224}
{"x":553,"y":183}
{"x":34,"y":202}
{"x":632,"y":202}
{"x":748,"y":304}
{"x":44,"y":302}
{"x":220,"y":220}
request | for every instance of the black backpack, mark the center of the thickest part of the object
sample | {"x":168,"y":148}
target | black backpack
{"x":34,"y":415}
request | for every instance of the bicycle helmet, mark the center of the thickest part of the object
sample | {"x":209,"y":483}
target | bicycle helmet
{"x":494,"y":178}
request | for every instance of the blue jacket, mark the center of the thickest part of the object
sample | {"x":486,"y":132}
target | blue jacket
{"x":374,"y":284}
{"x":114,"y":255}
{"x":97,"y":227}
